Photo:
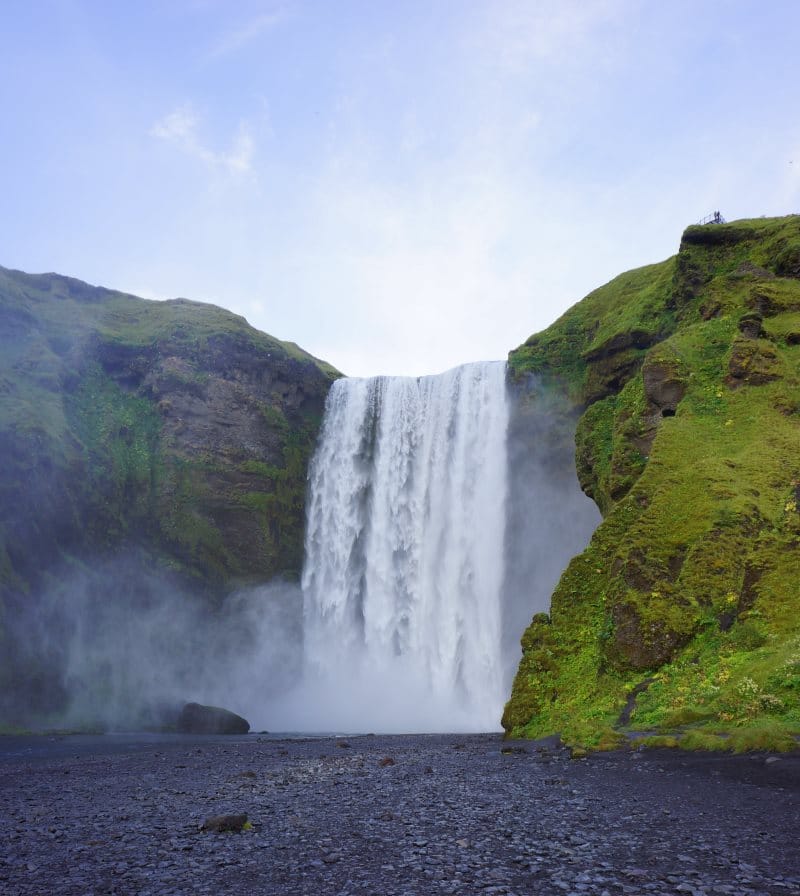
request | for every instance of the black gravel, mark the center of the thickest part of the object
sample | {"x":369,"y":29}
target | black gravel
{"x":392,"y":815}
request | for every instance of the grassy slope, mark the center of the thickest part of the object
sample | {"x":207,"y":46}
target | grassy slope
{"x":82,"y":443}
{"x":50,"y":317}
{"x":691,"y":585}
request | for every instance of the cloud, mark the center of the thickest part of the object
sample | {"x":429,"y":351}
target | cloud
{"x":180,"y":128}
{"x":248,"y":32}
{"x":240,"y":157}
{"x":518,"y":34}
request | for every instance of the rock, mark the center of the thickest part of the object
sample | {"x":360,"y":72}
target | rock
{"x":641,"y":643}
{"x":750,"y":325}
{"x":752,"y":361}
{"x":748,"y":269}
{"x":665,"y":380}
{"x":545,"y":744}
{"x":221,"y":823}
{"x":198,"y":719}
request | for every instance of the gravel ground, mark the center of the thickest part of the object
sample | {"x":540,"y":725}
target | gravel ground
{"x":392,"y":815}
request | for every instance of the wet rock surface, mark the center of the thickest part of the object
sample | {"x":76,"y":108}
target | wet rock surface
{"x":198,"y":719}
{"x":448,"y":814}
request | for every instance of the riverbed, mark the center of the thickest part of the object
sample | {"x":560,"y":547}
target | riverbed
{"x":390,"y":816}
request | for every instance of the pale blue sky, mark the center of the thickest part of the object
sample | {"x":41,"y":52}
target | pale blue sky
{"x":398,"y":187}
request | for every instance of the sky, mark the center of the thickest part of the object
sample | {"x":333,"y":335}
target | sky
{"x":397,"y":187}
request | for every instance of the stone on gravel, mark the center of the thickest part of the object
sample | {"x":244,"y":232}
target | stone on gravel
{"x":219,"y":824}
{"x":195,"y":718}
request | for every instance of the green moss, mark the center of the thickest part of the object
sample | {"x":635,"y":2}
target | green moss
{"x":610,"y":739}
{"x":594,"y":449}
{"x":702,"y":740}
{"x":660,"y":742}
{"x":119,"y":433}
{"x":275,"y":418}
{"x":624,"y":316}
{"x":767,"y":735}
{"x":692,"y":577}
{"x":88,"y":386}
{"x":684,"y":715}
{"x":138,"y":323}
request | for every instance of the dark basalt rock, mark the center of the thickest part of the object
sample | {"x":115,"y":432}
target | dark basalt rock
{"x":626,"y":339}
{"x":750,"y":325}
{"x":198,"y":719}
{"x":638,"y":643}
{"x":664,"y":384}
{"x":221,"y":824}
{"x":718,"y":235}
{"x":630,"y":703}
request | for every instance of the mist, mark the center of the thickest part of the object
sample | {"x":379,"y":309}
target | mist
{"x":549,"y":520}
{"x":423,"y":634}
{"x":116,"y":646}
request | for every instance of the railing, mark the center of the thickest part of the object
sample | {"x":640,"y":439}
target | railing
{"x":713,"y":218}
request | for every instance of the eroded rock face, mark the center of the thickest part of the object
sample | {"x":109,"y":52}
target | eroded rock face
{"x":169,"y":440}
{"x":753,"y":362}
{"x":664,"y":378}
{"x":640,"y":643}
{"x":750,"y":325}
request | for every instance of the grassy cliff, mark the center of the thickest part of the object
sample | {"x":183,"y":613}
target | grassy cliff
{"x":683,"y":614}
{"x":172,"y":426}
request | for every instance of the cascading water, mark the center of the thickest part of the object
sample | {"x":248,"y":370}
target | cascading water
{"x":441,"y":513}
{"x":404,"y":552}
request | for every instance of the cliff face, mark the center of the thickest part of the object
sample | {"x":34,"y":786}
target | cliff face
{"x":174,"y":427}
{"x":685,"y":608}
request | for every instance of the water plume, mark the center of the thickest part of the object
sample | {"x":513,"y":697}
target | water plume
{"x":404,"y":552}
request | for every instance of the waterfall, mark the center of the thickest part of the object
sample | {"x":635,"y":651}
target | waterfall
{"x":404,"y":552}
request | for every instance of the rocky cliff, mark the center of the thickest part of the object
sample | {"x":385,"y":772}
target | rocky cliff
{"x":683,"y":614}
{"x":174,"y":427}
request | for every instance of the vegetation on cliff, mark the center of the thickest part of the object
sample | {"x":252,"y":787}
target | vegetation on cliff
{"x":174,"y":426}
{"x":683,"y":614}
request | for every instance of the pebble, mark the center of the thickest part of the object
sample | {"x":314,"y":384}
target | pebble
{"x":451,"y":815}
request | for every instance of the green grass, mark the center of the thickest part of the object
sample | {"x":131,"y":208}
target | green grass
{"x":66,"y":314}
{"x":703,"y":740}
{"x":660,"y":742}
{"x":768,"y":735}
{"x":632,"y":309}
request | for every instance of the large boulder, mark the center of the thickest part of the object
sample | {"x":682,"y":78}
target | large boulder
{"x":198,"y":719}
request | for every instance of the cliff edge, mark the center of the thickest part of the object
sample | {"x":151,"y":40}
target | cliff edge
{"x":683,"y":614}
{"x":172,"y":426}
